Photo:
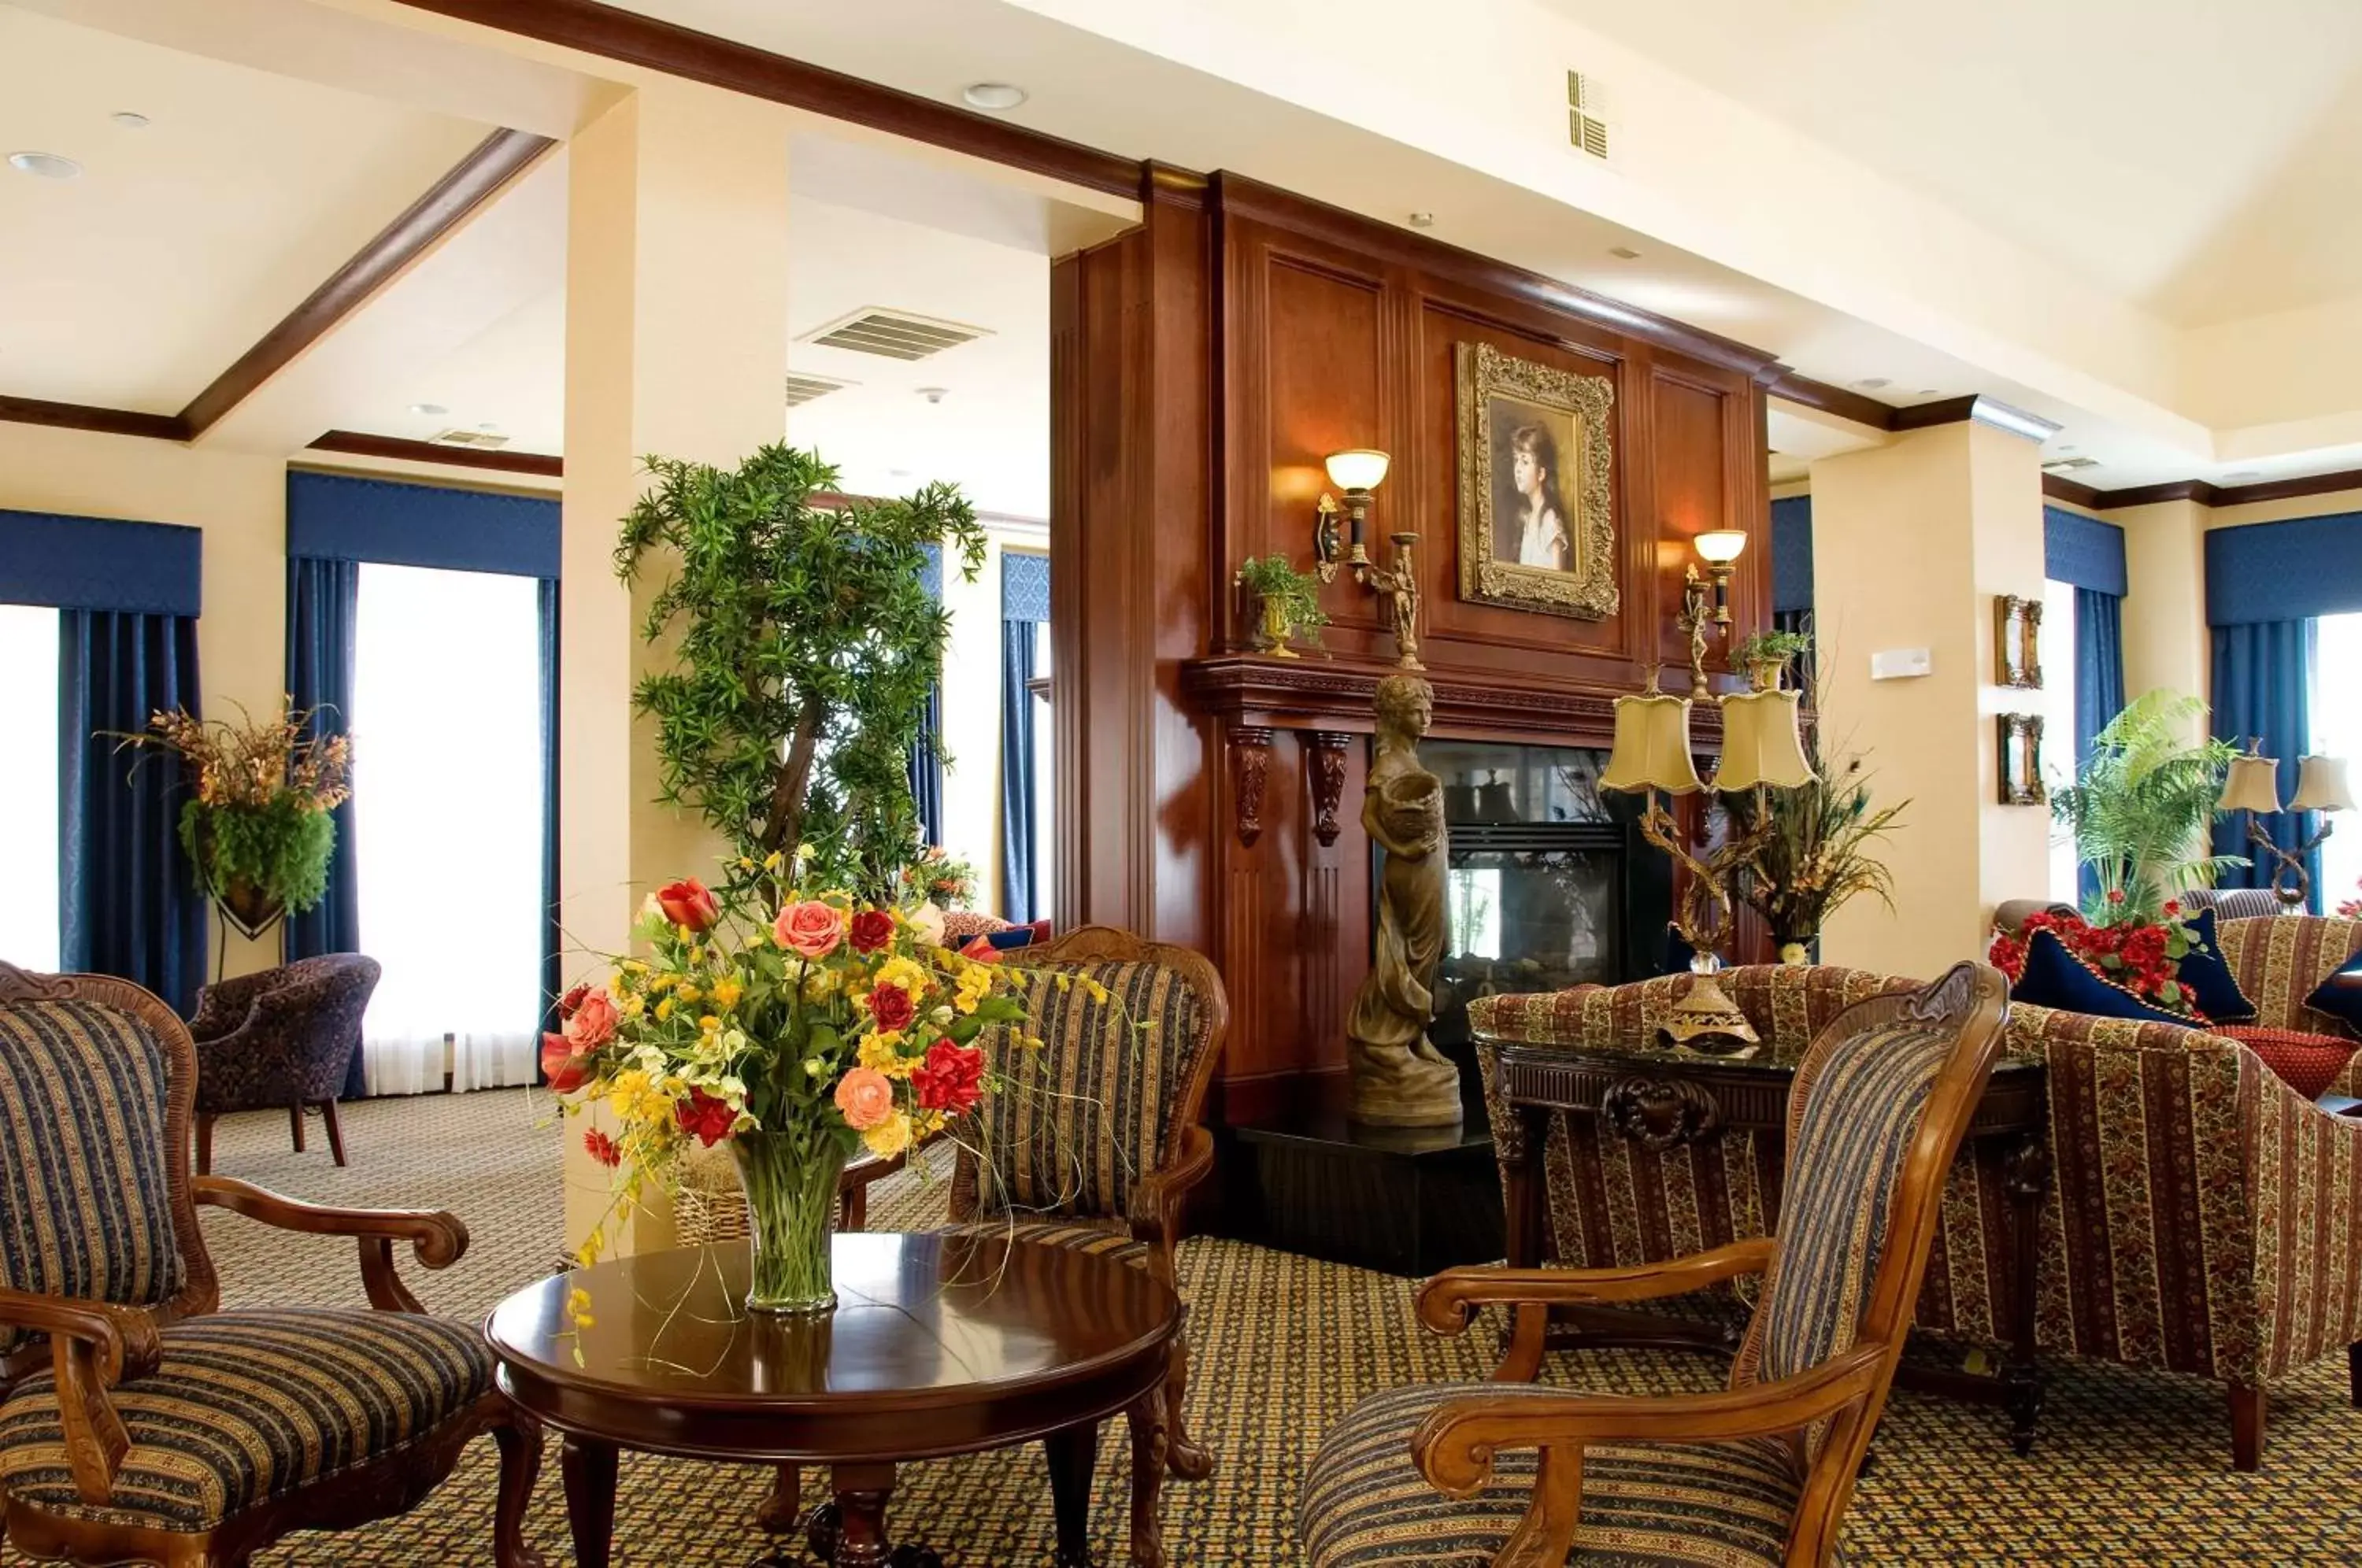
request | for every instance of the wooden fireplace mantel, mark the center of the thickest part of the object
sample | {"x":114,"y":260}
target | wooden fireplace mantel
{"x":1313,"y":692}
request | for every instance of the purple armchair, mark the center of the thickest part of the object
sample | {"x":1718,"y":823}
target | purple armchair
{"x":284,"y":1036}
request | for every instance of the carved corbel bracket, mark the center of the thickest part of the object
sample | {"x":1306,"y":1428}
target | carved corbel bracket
{"x":1250,"y":763}
{"x":1324,"y":755}
{"x":1661,"y":1114}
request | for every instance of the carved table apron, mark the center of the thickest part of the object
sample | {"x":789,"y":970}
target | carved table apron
{"x":1665,"y":1102}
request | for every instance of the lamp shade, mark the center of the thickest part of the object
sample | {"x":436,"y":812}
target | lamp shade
{"x":1359,"y":469}
{"x":1721,"y":545}
{"x":1652,"y":747}
{"x":1762,"y":743}
{"x":2320,"y":785}
{"x":2252,"y":785}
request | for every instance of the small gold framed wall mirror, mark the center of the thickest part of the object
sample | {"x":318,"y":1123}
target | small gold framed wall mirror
{"x":2017,"y":642}
{"x":2021,"y":760}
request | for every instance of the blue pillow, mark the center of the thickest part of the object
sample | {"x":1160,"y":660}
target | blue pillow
{"x":1009,"y":941}
{"x":2208,"y":980}
{"x":2340,"y":994}
{"x":2055,"y":977}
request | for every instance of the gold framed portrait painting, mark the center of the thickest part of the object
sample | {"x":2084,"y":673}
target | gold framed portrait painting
{"x":1537,"y":529}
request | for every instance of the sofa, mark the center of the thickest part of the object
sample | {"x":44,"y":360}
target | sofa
{"x":2200,"y":1213}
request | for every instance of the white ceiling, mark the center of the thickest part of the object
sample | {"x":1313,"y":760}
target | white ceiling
{"x":2201,"y":157}
{"x":138,"y":283}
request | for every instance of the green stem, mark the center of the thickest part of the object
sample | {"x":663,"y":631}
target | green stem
{"x":791,"y":1179}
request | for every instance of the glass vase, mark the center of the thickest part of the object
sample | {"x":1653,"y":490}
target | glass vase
{"x":790,"y":1184}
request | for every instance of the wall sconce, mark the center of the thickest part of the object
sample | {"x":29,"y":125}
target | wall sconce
{"x":1357,"y":473}
{"x":2253,"y":787}
{"x":1706,"y":599}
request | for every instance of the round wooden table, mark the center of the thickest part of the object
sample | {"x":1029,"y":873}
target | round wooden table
{"x":939,"y":1345}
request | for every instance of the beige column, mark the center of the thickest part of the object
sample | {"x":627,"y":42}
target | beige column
{"x":2165,"y":598}
{"x":676,"y":344}
{"x":1911,"y":541}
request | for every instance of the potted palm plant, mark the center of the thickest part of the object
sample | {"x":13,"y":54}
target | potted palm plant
{"x":2140,"y":806}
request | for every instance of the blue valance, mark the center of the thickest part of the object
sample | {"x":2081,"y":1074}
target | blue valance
{"x":1024,"y":586}
{"x":2296,"y":571}
{"x":2083,"y":550}
{"x":1792,"y":554}
{"x":339,"y":518}
{"x":96,"y":563}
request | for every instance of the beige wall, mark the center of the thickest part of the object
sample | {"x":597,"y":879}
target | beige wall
{"x":240,"y":502}
{"x":2165,"y":597}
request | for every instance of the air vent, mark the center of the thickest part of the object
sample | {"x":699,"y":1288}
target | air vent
{"x":896,"y":335}
{"x":2069,"y":465}
{"x":802,"y":388}
{"x":1590,"y":116}
{"x":482,"y":440}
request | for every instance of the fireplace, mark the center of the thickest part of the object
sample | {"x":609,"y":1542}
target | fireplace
{"x":1550,"y":883}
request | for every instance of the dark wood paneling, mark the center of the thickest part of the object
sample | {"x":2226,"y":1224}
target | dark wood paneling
{"x":361,"y":444}
{"x":1926,"y":415}
{"x":617,"y":34}
{"x":495,"y":160}
{"x":1792,"y":388}
{"x":83,"y":417}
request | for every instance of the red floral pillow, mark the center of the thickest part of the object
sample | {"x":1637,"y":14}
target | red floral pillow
{"x":2306,"y":1062}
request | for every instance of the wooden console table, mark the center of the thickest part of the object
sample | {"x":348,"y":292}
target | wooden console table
{"x":1666,"y":1102}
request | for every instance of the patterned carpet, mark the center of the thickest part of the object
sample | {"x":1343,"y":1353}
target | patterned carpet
{"x":2130,"y":1468}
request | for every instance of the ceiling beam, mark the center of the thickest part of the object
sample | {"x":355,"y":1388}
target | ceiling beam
{"x":83,"y":416}
{"x":361,"y":444}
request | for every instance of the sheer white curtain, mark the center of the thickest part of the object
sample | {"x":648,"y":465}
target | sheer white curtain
{"x":448,"y":823}
{"x":2335,"y":723}
{"x":2055,"y":703}
{"x":28,"y":786}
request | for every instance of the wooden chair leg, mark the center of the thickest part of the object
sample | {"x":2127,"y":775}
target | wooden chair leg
{"x":206,"y":1150}
{"x":1149,"y":1458}
{"x":519,"y":1437}
{"x":1189,"y":1459}
{"x":335,"y":1129}
{"x":295,"y":1123}
{"x":2246,"y":1427}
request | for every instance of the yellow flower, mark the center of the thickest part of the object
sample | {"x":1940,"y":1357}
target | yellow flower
{"x":889,"y":1137}
{"x":975,"y":985}
{"x":881,"y":1052}
{"x":688,"y":993}
{"x":772,"y":861}
{"x":900,"y":971}
{"x":820,"y":985}
{"x":664,"y":1008}
{"x":710,"y":1024}
{"x":615,"y":983}
{"x":1098,"y":992}
{"x":635,"y":1096}
{"x":636,"y":1005}
{"x":726,"y":992}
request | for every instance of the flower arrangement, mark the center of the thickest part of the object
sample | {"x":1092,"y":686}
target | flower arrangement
{"x":2142,"y":957}
{"x":258,"y":826}
{"x":938,"y":878}
{"x":2351,"y":908}
{"x":797,"y":1032}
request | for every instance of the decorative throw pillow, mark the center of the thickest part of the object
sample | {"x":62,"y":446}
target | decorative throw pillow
{"x":2055,"y":977}
{"x":2306,"y":1062}
{"x":1032,"y":934}
{"x":2340,"y":994}
{"x":2211,"y":986}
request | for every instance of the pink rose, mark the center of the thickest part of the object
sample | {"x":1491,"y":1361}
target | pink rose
{"x":866,"y":1098}
{"x":809,"y":929}
{"x":593,"y":1023}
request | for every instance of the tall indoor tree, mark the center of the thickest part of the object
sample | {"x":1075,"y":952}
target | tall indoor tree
{"x":803,"y":644}
{"x":2140,"y":805}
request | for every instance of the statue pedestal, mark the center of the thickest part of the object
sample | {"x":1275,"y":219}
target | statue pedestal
{"x":1404,"y":1200}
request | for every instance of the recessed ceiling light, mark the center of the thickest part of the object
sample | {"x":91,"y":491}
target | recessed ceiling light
{"x":429,"y":409}
{"x":47,"y":165}
{"x":488,"y":428}
{"x":1927,"y":391}
{"x":897,"y":473}
{"x":1422,"y":220}
{"x":1623,"y":253}
{"x":129,"y":119}
{"x":2066,"y":448}
{"x":992,"y":96}
{"x":1872,"y":384}
{"x":934,"y":394}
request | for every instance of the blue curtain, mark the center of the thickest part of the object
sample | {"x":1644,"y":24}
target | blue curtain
{"x":321,"y":598}
{"x":926,"y":758}
{"x":2263,"y":670}
{"x":128,"y":903}
{"x":1018,"y":819}
{"x":552,"y":933}
{"x":2099,"y":686}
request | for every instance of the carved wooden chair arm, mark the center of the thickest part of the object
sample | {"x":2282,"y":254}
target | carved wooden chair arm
{"x":124,"y":1338}
{"x":94,"y":1345}
{"x":437,"y":1237}
{"x":1446,"y":1301}
{"x":1157,"y":1199}
{"x":1454,"y":1446}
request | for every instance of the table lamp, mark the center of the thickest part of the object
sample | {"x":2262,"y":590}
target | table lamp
{"x":2253,"y":785}
{"x":1762,"y":749}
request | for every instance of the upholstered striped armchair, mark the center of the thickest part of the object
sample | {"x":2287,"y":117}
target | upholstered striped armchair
{"x":1094,"y":1139}
{"x":139,"y":1424}
{"x":2210,"y":1240}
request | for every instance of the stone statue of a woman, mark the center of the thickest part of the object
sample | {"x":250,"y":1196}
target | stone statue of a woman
{"x":1398,"y":1078}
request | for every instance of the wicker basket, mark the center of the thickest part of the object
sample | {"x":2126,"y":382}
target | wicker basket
{"x":708,"y":1206}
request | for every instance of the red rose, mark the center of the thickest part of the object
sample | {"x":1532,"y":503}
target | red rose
{"x":572,"y":1000}
{"x":872,"y":929}
{"x":566,"y":1070}
{"x":981,"y":949}
{"x":687,"y":902}
{"x":890,"y":1008}
{"x":602,"y":1148}
{"x":2115,"y":895}
{"x":705,"y":1118}
{"x":950,"y":1079}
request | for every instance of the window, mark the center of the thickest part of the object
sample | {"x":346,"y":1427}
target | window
{"x":448,"y":824}
{"x":2335,"y":724}
{"x":2055,"y":703}
{"x":28,"y":786}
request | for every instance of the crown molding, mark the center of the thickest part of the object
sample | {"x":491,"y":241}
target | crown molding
{"x":85,"y":416}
